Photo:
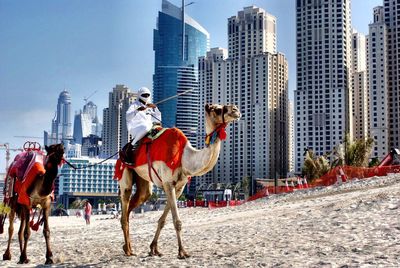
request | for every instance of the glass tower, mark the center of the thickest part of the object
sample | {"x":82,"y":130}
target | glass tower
{"x":176,"y":67}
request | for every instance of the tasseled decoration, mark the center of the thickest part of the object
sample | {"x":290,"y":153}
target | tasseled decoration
{"x":219,"y":133}
{"x":222,"y":134}
{"x":35,"y":226}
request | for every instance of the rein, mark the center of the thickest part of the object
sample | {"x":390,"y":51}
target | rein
{"x":92,"y":165}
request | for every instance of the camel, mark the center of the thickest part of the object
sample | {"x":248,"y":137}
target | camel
{"x":194,"y":162}
{"x":39,"y":194}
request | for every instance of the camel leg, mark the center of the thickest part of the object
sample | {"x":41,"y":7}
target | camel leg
{"x":7,"y":253}
{"x":171,"y":197}
{"x":46,"y":233}
{"x":23,"y":235}
{"x":144,"y":190}
{"x":125,"y":185}
{"x":161,"y":222}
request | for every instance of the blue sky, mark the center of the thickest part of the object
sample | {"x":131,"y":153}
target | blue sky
{"x":83,"y":46}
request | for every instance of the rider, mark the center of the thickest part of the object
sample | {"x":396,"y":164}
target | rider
{"x":142,"y":115}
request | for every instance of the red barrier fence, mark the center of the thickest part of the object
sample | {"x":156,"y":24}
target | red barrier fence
{"x":335,"y":175}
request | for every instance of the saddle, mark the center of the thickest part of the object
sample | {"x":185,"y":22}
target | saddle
{"x":162,"y":144}
{"x":126,"y":154}
{"x":23,"y":172}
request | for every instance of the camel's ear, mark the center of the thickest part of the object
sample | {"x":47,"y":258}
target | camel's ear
{"x":47,"y":148}
{"x":208,"y":108}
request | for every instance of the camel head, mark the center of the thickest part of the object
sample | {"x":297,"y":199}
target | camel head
{"x":222,"y":114}
{"x":55,"y":153}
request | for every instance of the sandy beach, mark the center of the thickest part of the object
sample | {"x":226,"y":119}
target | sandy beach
{"x":352,"y":225}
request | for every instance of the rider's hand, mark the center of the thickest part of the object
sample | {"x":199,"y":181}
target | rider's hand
{"x":151,"y":105}
{"x":141,"y":108}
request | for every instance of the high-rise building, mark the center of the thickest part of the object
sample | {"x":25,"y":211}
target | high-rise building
{"x":175,"y":68}
{"x":255,"y":78}
{"x":61,"y":125}
{"x":86,"y":124}
{"x":378,"y":83}
{"x":115,"y":133}
{"x":291,"y":138}
{"x":392,"y":20}
{"x":82,"y":126}
{"x":323,"y":95}
{"x":359,"y":85}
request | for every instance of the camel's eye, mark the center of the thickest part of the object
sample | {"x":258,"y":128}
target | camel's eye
{"x":218,"y":111}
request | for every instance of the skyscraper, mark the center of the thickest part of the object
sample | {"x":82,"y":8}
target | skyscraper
{"x":359,"y":85}
{"x":61,"y":125}
{"x":392,"y":20}
{"x":255,"y":78}
{"x":323,"y":96}
{"x":115,"y":133}
{"x":175,"y":69}
{"x":378,"y":84}
{"x":86,"y":123}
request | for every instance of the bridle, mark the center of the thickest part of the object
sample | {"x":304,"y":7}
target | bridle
{"x":218,"y":132}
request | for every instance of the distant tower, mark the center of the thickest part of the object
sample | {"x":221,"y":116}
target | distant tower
{"x":86,"y":123}
{"x":61,"y":124}
{"x":178,"y":42}
{"x":115,"y":133}
{"x":359,"y":85}
{"x":91,"y":109}
{"x":64,"y":120}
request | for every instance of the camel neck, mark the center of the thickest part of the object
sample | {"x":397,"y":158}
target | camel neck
{"x":48,"y":180}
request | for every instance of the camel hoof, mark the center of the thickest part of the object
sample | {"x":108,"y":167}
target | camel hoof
{"x":23,"y":261}
{"x":183,"y":255}
{"x":7,"y":256}
{"x":49,"y":261}
{"x":128,"y":252}
{"x":155,"y":252}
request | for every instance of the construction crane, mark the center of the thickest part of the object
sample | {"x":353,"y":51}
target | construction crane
{"x":87,"y":98}
{"x":30,"y":137}
{"x":6,"y":147}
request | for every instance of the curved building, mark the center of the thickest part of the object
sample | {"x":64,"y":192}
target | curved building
{"x":176,"y":67}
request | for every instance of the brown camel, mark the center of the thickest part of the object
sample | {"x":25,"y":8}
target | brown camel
{"x":193,"y":163}
{"x":39,"y":194}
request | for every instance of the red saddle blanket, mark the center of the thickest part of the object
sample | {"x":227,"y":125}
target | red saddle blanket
{"x":24,"y":169}
{"x":167,"y":148}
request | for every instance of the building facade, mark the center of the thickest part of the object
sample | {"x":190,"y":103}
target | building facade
{"x":61,"y":125}
{"x":115,"y":133}
{"x":322,"y":97}
{"x":378,"y":83}
{"x":175,"y":68}
{"x":291,"y":139}
{"x":392,"y":20}
{"x":256,"y":80}
{"x":359,"y":85}
{"x":94,"y":183}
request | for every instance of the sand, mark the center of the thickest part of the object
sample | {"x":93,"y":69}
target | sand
{"x":356,"y":224}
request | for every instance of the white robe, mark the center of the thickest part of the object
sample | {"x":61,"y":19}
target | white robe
{"x":140,"y":122}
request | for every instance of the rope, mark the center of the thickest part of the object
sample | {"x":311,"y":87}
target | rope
{"x":92,"y":165}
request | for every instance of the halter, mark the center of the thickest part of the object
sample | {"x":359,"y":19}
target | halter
{"x":218,"y":132}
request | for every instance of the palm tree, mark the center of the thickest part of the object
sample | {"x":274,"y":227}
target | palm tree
{"x":315,"y":166}
{"x":354,"y":153}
